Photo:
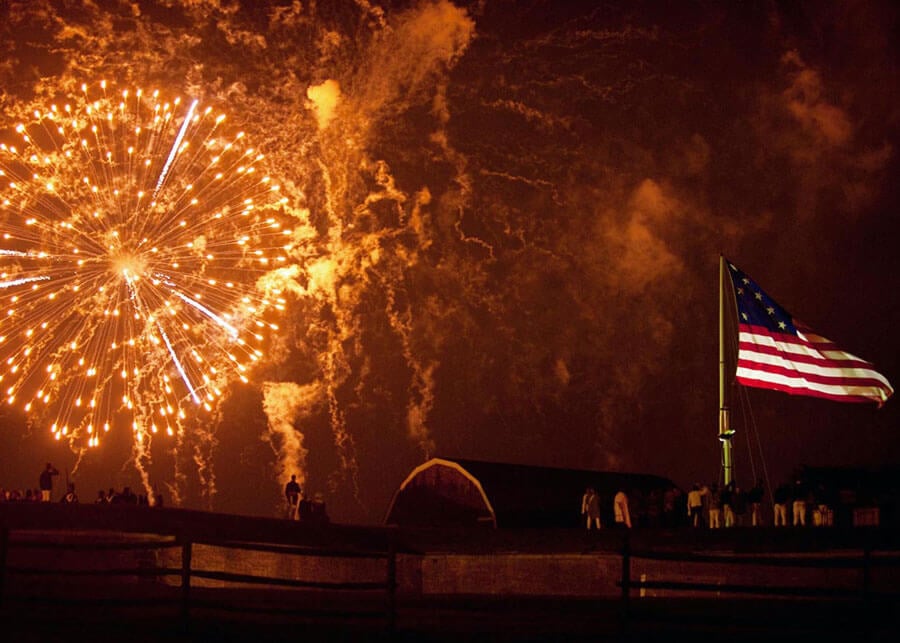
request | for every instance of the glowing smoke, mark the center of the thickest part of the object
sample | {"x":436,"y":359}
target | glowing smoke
{"x":325,"y":99}
{"x":283,"y":403}
{"x":502,"y":233}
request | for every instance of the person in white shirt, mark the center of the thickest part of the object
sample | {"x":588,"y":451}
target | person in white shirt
{"x":620,"y":510}
{"x":695,"y":505}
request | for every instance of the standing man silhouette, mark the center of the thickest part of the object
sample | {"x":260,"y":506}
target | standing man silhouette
{"x":292,"y":497}
{"x":46,"y":482}
{"x":590,"y":508}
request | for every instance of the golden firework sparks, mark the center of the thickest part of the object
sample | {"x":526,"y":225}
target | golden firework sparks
{"x":133,"y":229}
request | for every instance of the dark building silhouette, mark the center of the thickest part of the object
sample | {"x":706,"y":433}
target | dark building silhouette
{"x":460,"y":493}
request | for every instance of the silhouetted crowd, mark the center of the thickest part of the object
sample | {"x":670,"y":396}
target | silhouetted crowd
{"x":111,"y":497}
{"x":793,"y":505}
{"x":729,"y":506}
{"x":798,"y":503}
{"x":44,"y":493}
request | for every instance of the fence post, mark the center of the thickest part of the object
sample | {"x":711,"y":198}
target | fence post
{"x":626,"y":579}
{"x":4,"y":546}
{"x":185,"y":581}
{"x":392,"y":581}
{"x":867,"y":572}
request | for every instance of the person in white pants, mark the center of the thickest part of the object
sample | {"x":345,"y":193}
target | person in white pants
{"x":799,"y":512}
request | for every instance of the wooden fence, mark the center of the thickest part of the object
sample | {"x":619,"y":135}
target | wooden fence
{"x":179,"y":532}
{"x":862,"y":596}
{"x":43,"y":541}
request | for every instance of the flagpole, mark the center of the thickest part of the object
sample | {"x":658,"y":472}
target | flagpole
{"x":725,"y":431}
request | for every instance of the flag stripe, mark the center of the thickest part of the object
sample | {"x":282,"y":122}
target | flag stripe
{"x":748,"y":378}
{"x":842,"y":361}
{"x":837,"y":377}
{"x":796,"y":344}
{"x":776,"y":354}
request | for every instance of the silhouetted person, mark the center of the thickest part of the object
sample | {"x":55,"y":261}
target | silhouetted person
{"x":780,"y":498}
{"x":739,"y":506}
{"x":823,"y":515}
{"x":46,"y":482}
{"x":101,"y":498}
{"x":695,"y":506}
{"x":620,"y":510}
{"x":304,"y":509}
{"x":799,"y":505}
{"x":754,"y":497}
{"x":317,"y":512}
{"x":669,"y":517}
{"x":70,"y":497}
{"x":727,"y":499}
{"x":715,"y":507}
{"x":590,"y":508}
{"x":292,"y":498}
{"x":127,"y":497}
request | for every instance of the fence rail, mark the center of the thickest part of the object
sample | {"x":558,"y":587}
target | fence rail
{"x":23,"y":531}
{"x":850,"y":560}
{"x":864,"y":561}
{"x":37,"y":543}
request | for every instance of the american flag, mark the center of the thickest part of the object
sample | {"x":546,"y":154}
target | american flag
{"x":776,"y":351}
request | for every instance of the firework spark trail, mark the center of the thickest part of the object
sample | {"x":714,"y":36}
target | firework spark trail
{"x":24,"y":280}
{"x":178,"y":483}
{"x":205,"y":472}
{"x":206,"y":311}
{"x":130,"y":252}
{"x":335,"y":374}
{"x":421,"y":389}
{"x":175,"y":146}
{"x":140,"y":458}
{"x":421,"y":397}
{"x":177,"y":363}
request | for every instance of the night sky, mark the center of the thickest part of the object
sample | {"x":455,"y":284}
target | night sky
{"x":511,"y":216}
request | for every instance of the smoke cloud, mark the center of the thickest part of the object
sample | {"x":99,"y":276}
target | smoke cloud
{"x":325,"y":99}
{"x":505,"y":218}
{"x":283,"y":403}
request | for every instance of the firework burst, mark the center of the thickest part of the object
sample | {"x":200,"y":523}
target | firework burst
{"x":133,"y":230}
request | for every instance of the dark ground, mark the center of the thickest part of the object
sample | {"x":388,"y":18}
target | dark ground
{"x":46,"y":608}
{"x":442,"y":619}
